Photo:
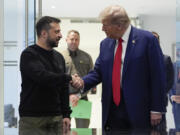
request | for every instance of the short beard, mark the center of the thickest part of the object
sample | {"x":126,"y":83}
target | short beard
{"x":51,"y":43}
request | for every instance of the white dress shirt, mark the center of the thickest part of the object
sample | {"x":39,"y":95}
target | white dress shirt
{"x":125,"y":39}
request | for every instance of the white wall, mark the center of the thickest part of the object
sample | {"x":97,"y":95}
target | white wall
{"x":92,"y":8}
{"x":178,"y":31}
{"x":165,"y":26}
{"x":1,"y":66}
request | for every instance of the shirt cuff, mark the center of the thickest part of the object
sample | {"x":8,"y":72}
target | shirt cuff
{"x":79,"y":95}
{"x":157,"y":112}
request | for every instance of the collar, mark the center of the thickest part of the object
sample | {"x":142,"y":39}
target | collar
{"x":125,"y":37}
{"x":73,"y":53}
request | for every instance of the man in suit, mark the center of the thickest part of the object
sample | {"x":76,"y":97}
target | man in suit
{"x":174,"y":95}
{"x":131,"y":68}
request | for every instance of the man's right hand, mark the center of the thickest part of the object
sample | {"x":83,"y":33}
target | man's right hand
{"x":77,"y":82}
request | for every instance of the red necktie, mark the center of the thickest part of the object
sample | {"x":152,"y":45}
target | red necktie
{"x":116,"y":75}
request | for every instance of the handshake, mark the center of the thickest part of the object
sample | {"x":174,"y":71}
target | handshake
{"x":77,"y":82}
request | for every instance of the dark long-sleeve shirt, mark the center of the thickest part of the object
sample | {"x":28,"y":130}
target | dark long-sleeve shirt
{"x":44,"y":83}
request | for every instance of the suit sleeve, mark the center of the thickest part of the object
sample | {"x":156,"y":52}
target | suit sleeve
{"x":94,"y":77}
{"x":91,"y":66}
{"x":157,"y":76}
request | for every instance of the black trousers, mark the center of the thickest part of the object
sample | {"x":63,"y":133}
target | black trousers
{"x":118,"y":117}
{"x":118,"y":120}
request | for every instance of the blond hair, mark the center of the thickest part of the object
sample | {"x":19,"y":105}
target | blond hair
{"x":115,"y":15}
{"x":74,"y":31}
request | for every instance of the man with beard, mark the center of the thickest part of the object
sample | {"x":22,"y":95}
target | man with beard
{"x":44,"y":99}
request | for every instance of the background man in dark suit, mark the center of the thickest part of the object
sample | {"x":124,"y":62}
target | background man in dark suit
{"x":131,"y":68}
{"x":174,"y":95}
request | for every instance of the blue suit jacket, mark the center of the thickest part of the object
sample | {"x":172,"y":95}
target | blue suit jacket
{"x":143,"y":77}
{"x":175,"y":91}
{"x":176,"y":85}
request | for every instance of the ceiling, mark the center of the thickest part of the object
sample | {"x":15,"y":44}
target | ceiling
{"x":91,"y":8}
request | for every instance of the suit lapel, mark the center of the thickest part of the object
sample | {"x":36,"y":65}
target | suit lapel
{"x":129,"y":50}
{"x":111,"y":48}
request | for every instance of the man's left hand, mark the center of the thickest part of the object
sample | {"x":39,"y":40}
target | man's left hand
{"x":74,"y":100}
{"x":176,"y":98}
{"x":155,"y":118}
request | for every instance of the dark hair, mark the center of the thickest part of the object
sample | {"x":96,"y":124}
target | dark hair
{"x":44,"y":24}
